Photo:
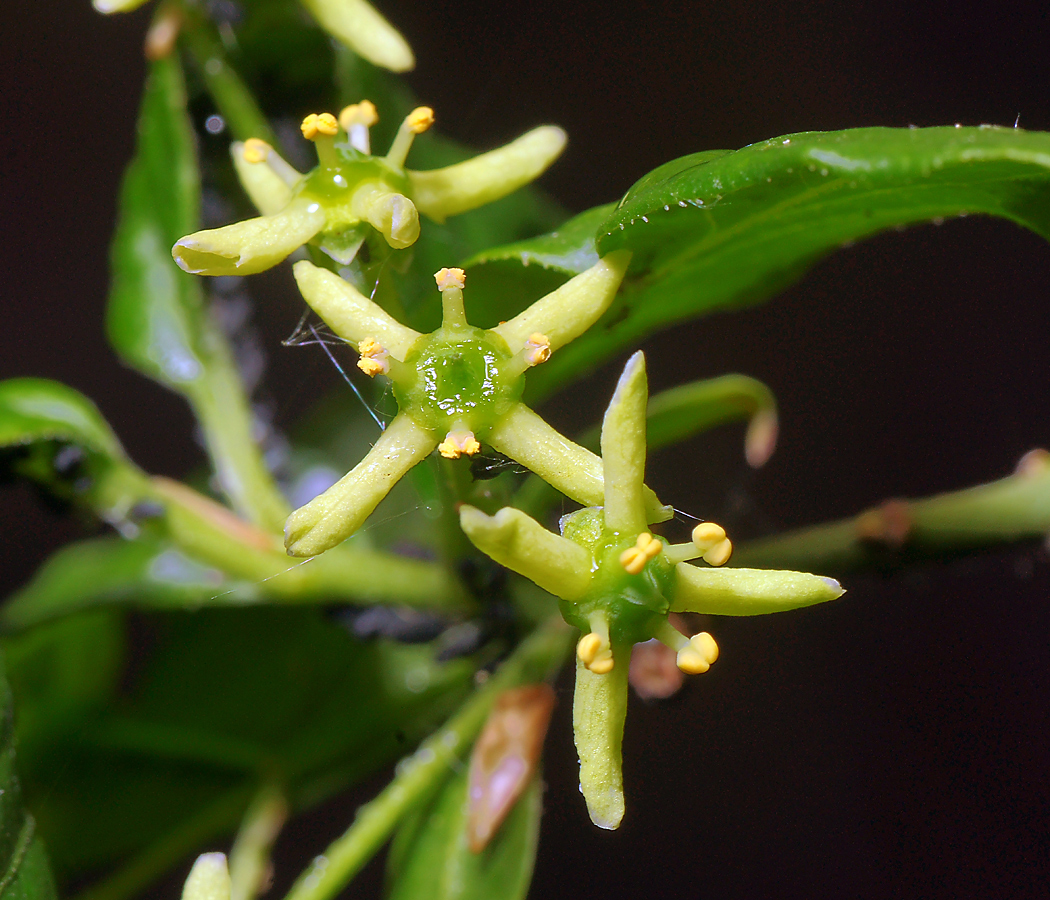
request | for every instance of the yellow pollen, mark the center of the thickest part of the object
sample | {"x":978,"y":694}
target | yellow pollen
{"x":363,"y":113}
{"x":420,"y":119}
{"x":370,"y":347}
{"x":719,"y":554}
{"x":314,"y":125}
{"x":707,"y":534}
{"x":373,"y":367}
{"x":456,"y":443}
{"x":450,"y":278}
{"x":537,"y":349}
{"x":633,"y":559}
{"x":256,"y":150}
{"x":602,"y":666}
{"x":588,"y":647}
{"x":698,"y":655}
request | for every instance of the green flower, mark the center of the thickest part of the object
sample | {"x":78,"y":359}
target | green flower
{"x":456,"y":387}
{"x":353,"y":22}
{"x":617,"y":583}
{"x":352,"y":191}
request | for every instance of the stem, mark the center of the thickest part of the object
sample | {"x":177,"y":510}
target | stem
{"x":419,"y":775}
{"x":250,"y":854}
{"x":225,"y":416}
{"x":231,"y":95}
{"x":898,"y":532}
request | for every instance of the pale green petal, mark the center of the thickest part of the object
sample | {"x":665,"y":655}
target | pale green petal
{"x":748,"y":592}
{"x":523,"y":545}
{"x":337,"y":513}
{"x":358,"y":25}
{"x":112,"y":6}
{"x":349,"y":313}
{"x":441,"y":193}
{"x":254,"y":245}
{"x":623,"y":449}
{"x":576,"y":472}
{"x":569,"y":311}
{"x":599,"y":707}
{"x":209,"y":879}
{"x":263,"y":181}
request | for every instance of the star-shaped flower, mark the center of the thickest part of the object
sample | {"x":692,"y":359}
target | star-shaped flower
{"x":455,"y":388}
{"x":352,"y":191}
{"x":617,"y":583}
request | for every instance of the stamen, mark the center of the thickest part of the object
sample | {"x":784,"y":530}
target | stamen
{"x":456,"y":443}
{"x":322,"y":129}
{"x":256,"y":150}
{"x":319,"y":124}
{"x":356,"y":120}
{"x":593,"y":649}
{"x":712,"y":544}
{"x":698,"y":655}
{"x":450,"y":278}
{"x":537,"y":349}
{"x":374,"y":358}
{"x":450,"y":282}
{"x":634,"y":559}
{"x":416,"y":122}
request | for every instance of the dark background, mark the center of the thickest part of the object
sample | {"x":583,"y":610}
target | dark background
{"x":892,"y":744}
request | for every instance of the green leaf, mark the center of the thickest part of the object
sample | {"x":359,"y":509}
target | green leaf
{"x":24,"y":871}
{"x":39,"y":421}
{"x":225,"y":699}
{"x":112,"y":571}
{"x":430,"y":859}
{"x":714,"y":231}
{"x":504,"y":280}
{"x":34,"y":410}
{"x":156,"y":317}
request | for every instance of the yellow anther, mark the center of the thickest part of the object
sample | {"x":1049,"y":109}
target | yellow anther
{"x":420,"y":119}
{"x":719,"y":554}
{"x":456,"y":443}
{"x":374,"y":357}
{"x":256,"y":150}
{"x":370,"y":347}
{"x":373,"y":367}
{"x":363,"y":113}
{"x":450,"y":278}
{"x":633,"y":559}
{"x":537,"y":349}
{"x":711,"y":541}
{"x":588,"y":647}
{"x":314,"y":125}
{"x":698,"y":655}
{"x":595,"y":653}
{"x":707,"y":534}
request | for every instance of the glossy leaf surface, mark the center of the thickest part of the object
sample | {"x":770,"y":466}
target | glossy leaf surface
{"x":718,"y":230}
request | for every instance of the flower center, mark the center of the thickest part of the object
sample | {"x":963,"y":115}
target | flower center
{"x":455,"y":380}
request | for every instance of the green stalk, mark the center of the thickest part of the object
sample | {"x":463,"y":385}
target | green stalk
{"x":224,"y":413}
{"x":250,"y":854}
{"x":898,"y":532}
{"x":419,"y":775}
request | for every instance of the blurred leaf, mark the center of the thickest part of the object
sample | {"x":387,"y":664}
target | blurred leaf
{"x":24,"y":871}
{"x":718,"y":230}
{"x":430,"y":859}
{"x":112,"y":571}
{"x":55,"y":437}
{"x":156,"y":317}
{"x":33,"y":409}
{"x":228,"y":698}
